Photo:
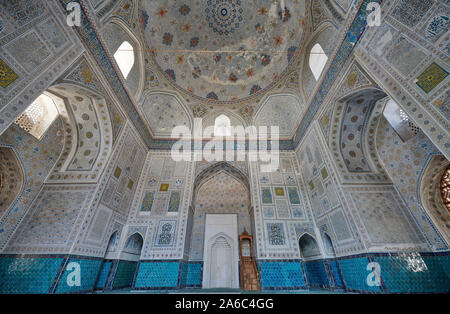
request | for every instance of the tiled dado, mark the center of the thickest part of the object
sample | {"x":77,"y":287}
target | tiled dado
{"x":89,"y":270}
{"x":158,"y":275}
{"x":414,"y":272}
{"x":192,"y":275}
{"x":116,"y":274}
{"x":29,"y":274}
{"x":281,"y":275}
{"x":400,"y":272}
{"x":324,"y":273}
{"x":102,"y":277}
{"x":124,"y":274}
{"x":45,"y":273}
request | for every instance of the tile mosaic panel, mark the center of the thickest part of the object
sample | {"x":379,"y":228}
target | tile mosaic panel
{"x":89,"y":269}
{"x":281,"y":275}
{"x":431,"y":77}
{"x":157,"y":274}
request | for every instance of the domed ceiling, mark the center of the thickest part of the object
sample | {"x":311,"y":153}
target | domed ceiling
{"x":222,"y":50}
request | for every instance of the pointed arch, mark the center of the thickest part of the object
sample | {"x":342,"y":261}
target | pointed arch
{"x":429,"y":193}
{"x":88,"y":137}
{"x":328,"y":245}
{"x":212,"y":170}
{"x":222,"y":126}
{"x":133,"y":245}
{"x":308,"y":246}
{"x":11,"y":178}
{"x":352,"y":134}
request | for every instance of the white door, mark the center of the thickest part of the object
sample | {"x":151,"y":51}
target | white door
{"x":220,"y":255}
{"x":221,"y":263}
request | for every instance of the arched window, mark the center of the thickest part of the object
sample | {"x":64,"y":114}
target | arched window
{"x":222,"y":126}
{"x":125,"y":58}
{"x":399,"y":121}
{"x":317,"y":60}
{"x":39,"y":116}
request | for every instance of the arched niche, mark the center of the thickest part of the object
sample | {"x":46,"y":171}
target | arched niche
{"x":218,"y":189}
{"x":11,"y":178}
{"x":88,"y":136}
{"x":163,"y":111}
{"x":282,"y":110}
{"x":110,"y":253}
{"x":328,"y":245}
{"x":430,"y":193}
{"x":113,"y":243}
{"x":37,"y":159}
{"x":221,"y":262}
{"x":308,"y":247}
{"x":133,"y":247}
{"x":352,"y":139}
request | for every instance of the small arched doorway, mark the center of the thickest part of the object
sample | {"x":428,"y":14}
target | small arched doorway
{"x":328,"y":245}
{"x":102,"y":277}
{"x":331,"y":264}
{"x":314,"y":266}
{"x":129,"y":259}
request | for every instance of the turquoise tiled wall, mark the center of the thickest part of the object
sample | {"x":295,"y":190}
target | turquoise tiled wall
{"x":355,"y":274}
{"x":28,"y":275}
{"x":400,"y":273}
{"x":336,"y":274}
{"x":281,"y":275}
{"x":316,"y":274}
{"x":415,"y":273}
{"x":103,"y":276}
{"x":89,"y":271}
{"x":192,"y":273}
{"x":158,"y":274}
{"x":124,"y":275}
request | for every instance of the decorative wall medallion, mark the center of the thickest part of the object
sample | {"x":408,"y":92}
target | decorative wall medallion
{"x":431,"y":77}
{"x":7,"y":75}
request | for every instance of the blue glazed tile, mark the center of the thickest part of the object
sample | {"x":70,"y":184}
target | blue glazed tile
{"x":355,"y":274}
{"x":103,"y":276}
{"x":281,"y":275}
{"x":413,"y":273}
{"x":28,"y":275}
{"x":316,"y":274}
{"x":336,"y":274}
{"x":157,"y":275}
{"x":192,"y":275}
{"x":125,"y":273}
{"x":89,"y":269}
